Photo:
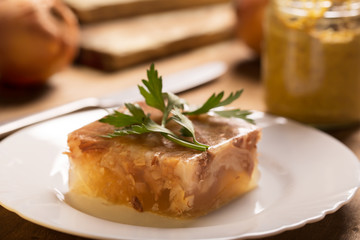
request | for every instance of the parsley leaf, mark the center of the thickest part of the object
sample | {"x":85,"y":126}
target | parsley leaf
{"x":153,"y":95}
{"x":173,"y":101}
{"x":187,"y":126}
{"x":215,"y":101}
{"x":118,"y":119}
{"x":236,"y":113}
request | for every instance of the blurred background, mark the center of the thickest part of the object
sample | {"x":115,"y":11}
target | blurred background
{"x":53,"y":51}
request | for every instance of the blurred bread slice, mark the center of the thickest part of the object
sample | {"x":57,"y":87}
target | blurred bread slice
{"x":120,"y":43}
{"x":90,"y":11}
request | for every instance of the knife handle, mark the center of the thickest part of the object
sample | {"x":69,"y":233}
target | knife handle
{"x":8,"y":128}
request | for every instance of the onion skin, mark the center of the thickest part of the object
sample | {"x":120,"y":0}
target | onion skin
{"x":38,"y":39}
{"x":250,"y":14}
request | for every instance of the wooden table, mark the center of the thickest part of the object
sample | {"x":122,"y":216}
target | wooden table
{"x":244,"y":72}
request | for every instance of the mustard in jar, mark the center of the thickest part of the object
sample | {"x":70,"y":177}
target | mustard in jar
{"x":311,"y":61}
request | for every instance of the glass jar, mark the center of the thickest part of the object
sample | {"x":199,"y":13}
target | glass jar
{"x":311,"y":61}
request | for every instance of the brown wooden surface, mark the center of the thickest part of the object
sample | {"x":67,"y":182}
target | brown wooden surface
{"x":78,"y":82}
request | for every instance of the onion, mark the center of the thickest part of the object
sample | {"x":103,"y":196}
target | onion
{"x":37,"y":39}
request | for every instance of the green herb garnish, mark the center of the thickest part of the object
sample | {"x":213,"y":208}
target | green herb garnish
{"x":173,"y":109}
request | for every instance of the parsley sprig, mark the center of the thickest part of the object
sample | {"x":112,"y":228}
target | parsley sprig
{"x":135,"y":121}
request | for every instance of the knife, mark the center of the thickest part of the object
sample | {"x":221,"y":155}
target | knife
{"x":175,"y":83}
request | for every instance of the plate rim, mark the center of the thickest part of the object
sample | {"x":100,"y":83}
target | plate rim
{"x":336,"y":206}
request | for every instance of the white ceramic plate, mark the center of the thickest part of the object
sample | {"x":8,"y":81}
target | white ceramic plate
{"x":305,"y":174}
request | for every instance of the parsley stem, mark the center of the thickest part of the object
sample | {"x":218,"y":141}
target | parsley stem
{"x":184,"y":143}
{"x":198,"y":143}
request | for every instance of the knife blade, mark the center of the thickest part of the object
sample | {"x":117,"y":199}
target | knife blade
{"x":175,"y":83}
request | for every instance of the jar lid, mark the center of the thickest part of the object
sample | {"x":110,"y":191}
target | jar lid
{"x":319,"y":8}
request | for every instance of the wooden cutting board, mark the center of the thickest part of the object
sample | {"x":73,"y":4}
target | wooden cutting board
{"x":120,"y":43}
{"x":89,"y":11}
